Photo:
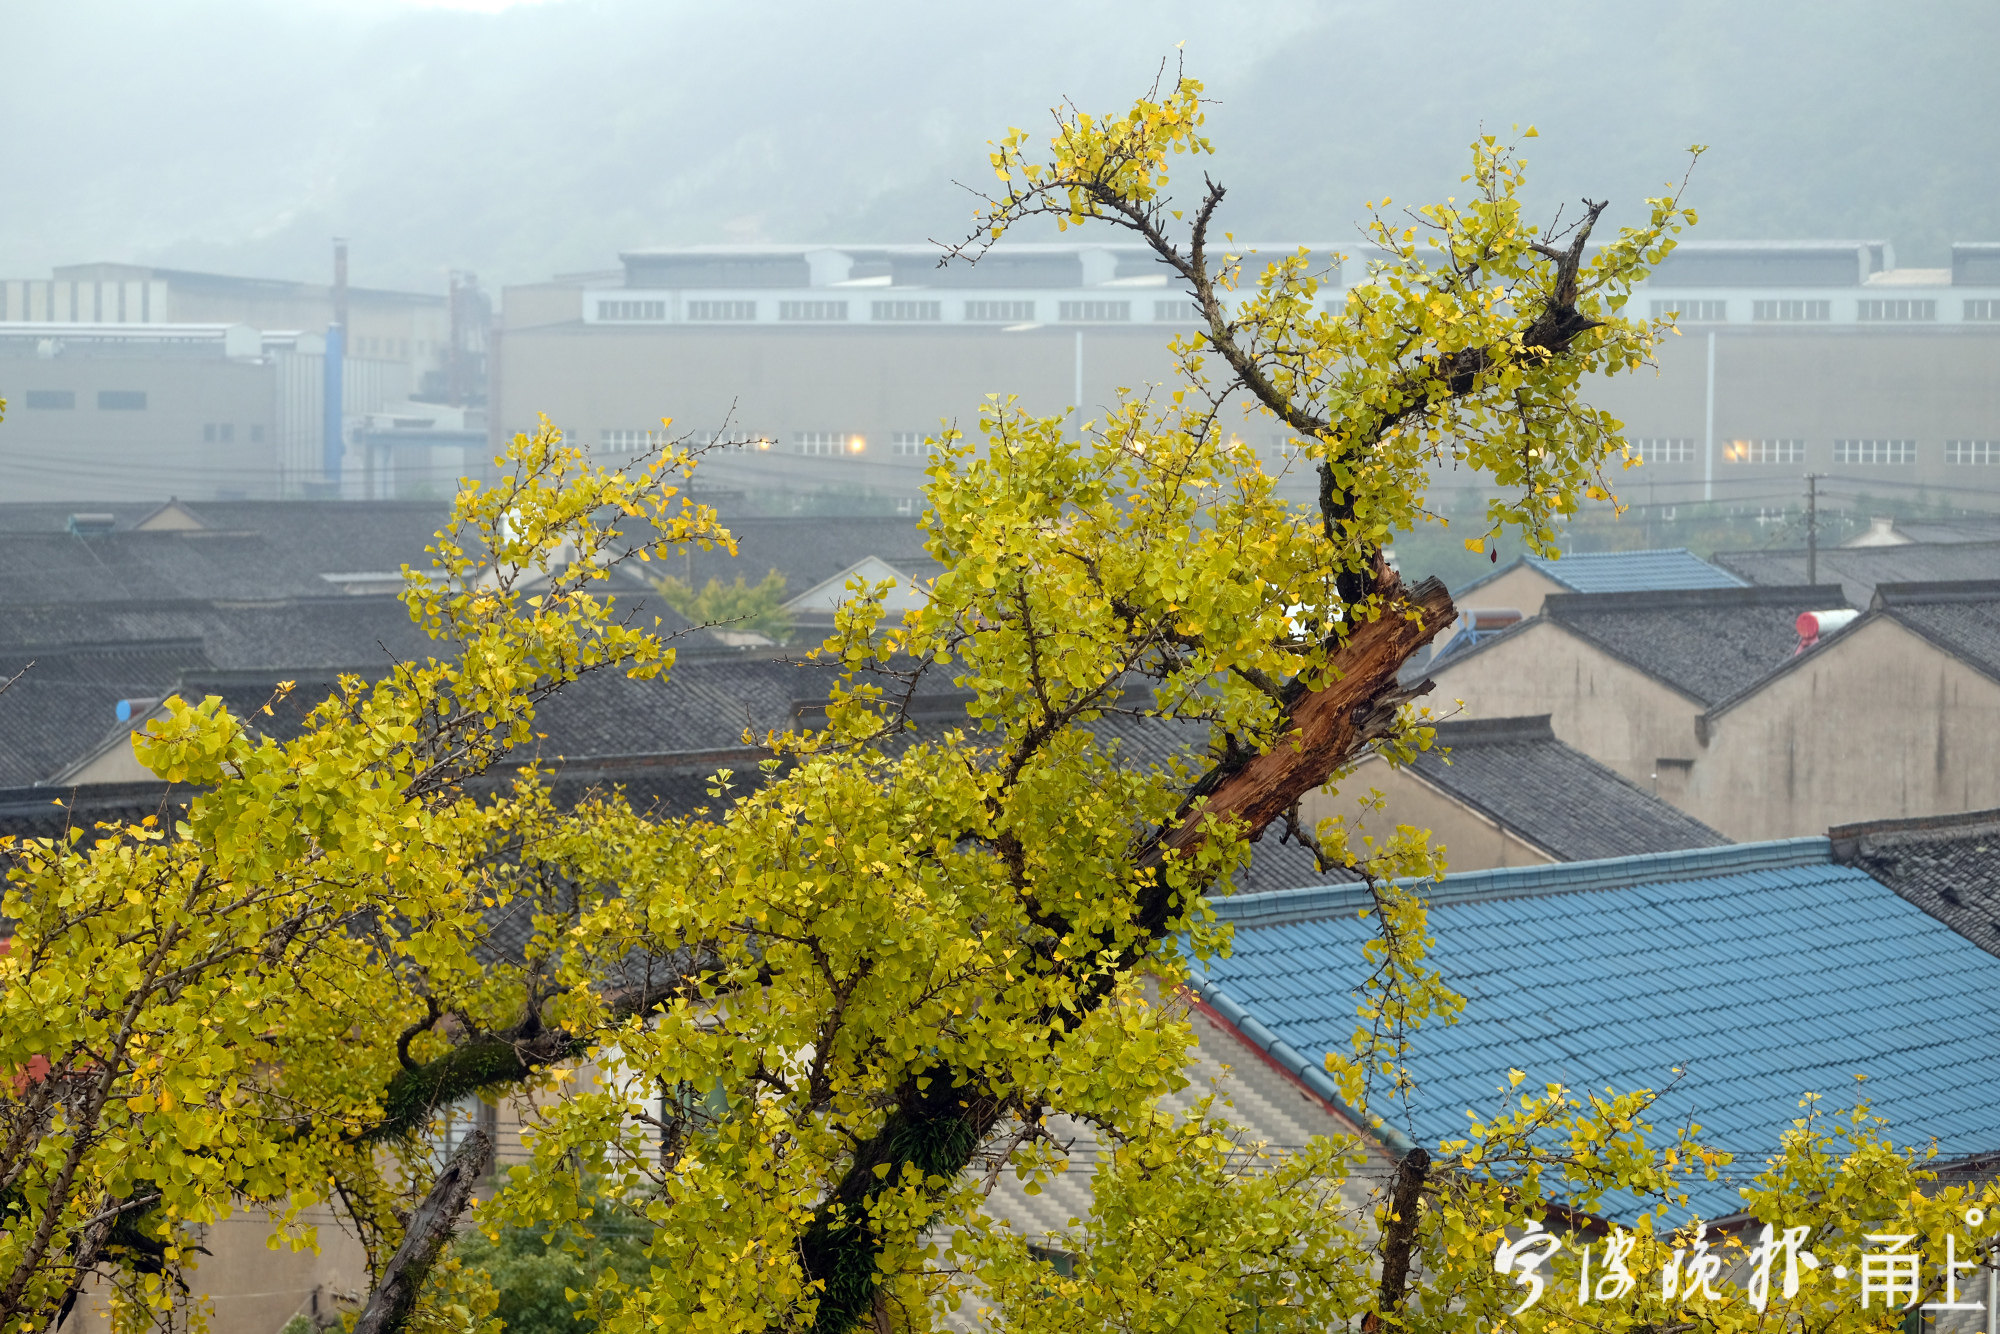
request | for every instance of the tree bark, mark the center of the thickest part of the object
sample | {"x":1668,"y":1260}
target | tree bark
{"x":1330,"y":729}
{"x":431,"y":1226}
{"x":1399,"y":1237}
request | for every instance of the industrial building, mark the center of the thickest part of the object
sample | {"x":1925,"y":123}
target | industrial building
{"x":838,"y":361}
{"x":131,"y":383}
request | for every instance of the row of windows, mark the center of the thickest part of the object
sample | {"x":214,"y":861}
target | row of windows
{"x":1869,"y":310}
{"x":64,"y":400}
{"x":1867,"y":453}
{"x":898,"y":311}
{"x":822,"y":444}
{"x":223,"y":433}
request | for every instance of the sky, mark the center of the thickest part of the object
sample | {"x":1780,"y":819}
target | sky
{"x":520,"y":140}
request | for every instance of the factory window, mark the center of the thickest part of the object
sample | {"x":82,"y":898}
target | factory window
{"x":1896,"y":311}
{"x":999,"y":312}
{"x":812,"y":310}
{"x":1982,"y":309}
{"x":1694,"y":312}
{"x":906,"y":310}
{"x":1177,"y":312}
{"x":1764,"y":451}
{"x":1662,"y":450}
{"x":222,"y":432}
{"x":1972,"y":451}
{"x":58,"y":399}
{"x":1875,"y":451}
{"x":826,"y":443}
{"x":722,"y":311}
{"x":121,"y":400}
{"x":1791,"y":311}
{"x":256,"y":435}
{"x":611,"y":439}
{"x":906,"y":443}
{"x":631,"y":310}
{"x":1096,"y":312}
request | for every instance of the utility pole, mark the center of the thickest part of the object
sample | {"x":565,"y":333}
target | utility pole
{"x":1812,"y":527}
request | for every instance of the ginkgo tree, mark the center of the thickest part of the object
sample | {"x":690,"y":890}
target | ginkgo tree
{"x":797,"y":1035}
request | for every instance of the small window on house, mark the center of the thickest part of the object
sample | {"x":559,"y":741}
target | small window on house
{"x":1895,"y":311}
{"x":1663,"y":450}
{"x":1764,"y":451}
{"x":1790,"y":312}
{"x":1972,"y":451}
{"x":121,"y":400}
{"x":256,"y":435}
{"x":49,"y":400}
{"x":1982,"y":309}
{"x":999,"y":312}
{"x":906,"y":310}
{"x":1693,"y":312}
{"x":1874,"y":452}
{"x":1176,"y":312}
{"x":908,"y":444}
{"x":1096,"y":312}
{"x":722,"y":311}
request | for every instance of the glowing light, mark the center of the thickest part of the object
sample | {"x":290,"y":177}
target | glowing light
{"x":855,"y":444}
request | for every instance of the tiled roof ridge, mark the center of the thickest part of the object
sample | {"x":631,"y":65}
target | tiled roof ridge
{"x":1929,"y":591}
{"x":1558,"y":605}
{"x":1508,"y":882}
{"x":1917,"y":828}
{"x":1294,"y":1063}
{"x":1495,"y":731}
{"x":40,"y":651}
{"x":39,"y":796}
{"x":1841,"y":553}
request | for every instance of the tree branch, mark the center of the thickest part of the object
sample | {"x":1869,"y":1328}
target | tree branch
{"x":431,"y":1226}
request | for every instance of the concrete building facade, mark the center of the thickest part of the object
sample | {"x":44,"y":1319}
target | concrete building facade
{"x":1791,"y":356}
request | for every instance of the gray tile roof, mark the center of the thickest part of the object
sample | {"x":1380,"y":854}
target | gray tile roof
{"x":1948,"y":865}
{"x":1707,"y":643}
{"x":806,"y":550}
{"x":1961,"y":617}
{"x":1859,"y":569}
{"x":1514,"y":771}
{"x":252,"y":549}
{"x":65,"y":703}
{"x":301,"y":633}
{"x":1618,"y":571}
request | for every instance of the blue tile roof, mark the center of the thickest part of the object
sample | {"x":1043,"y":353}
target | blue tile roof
{"x":1764,"y":971}
{"x":1633,"y":571}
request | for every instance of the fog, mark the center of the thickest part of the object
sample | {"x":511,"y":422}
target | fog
{"x":238,"y":135}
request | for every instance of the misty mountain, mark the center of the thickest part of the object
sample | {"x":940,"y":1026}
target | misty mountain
{"x":241,"y":134}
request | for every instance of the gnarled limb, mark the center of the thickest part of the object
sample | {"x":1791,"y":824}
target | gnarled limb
{"x":432,"y":1225}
